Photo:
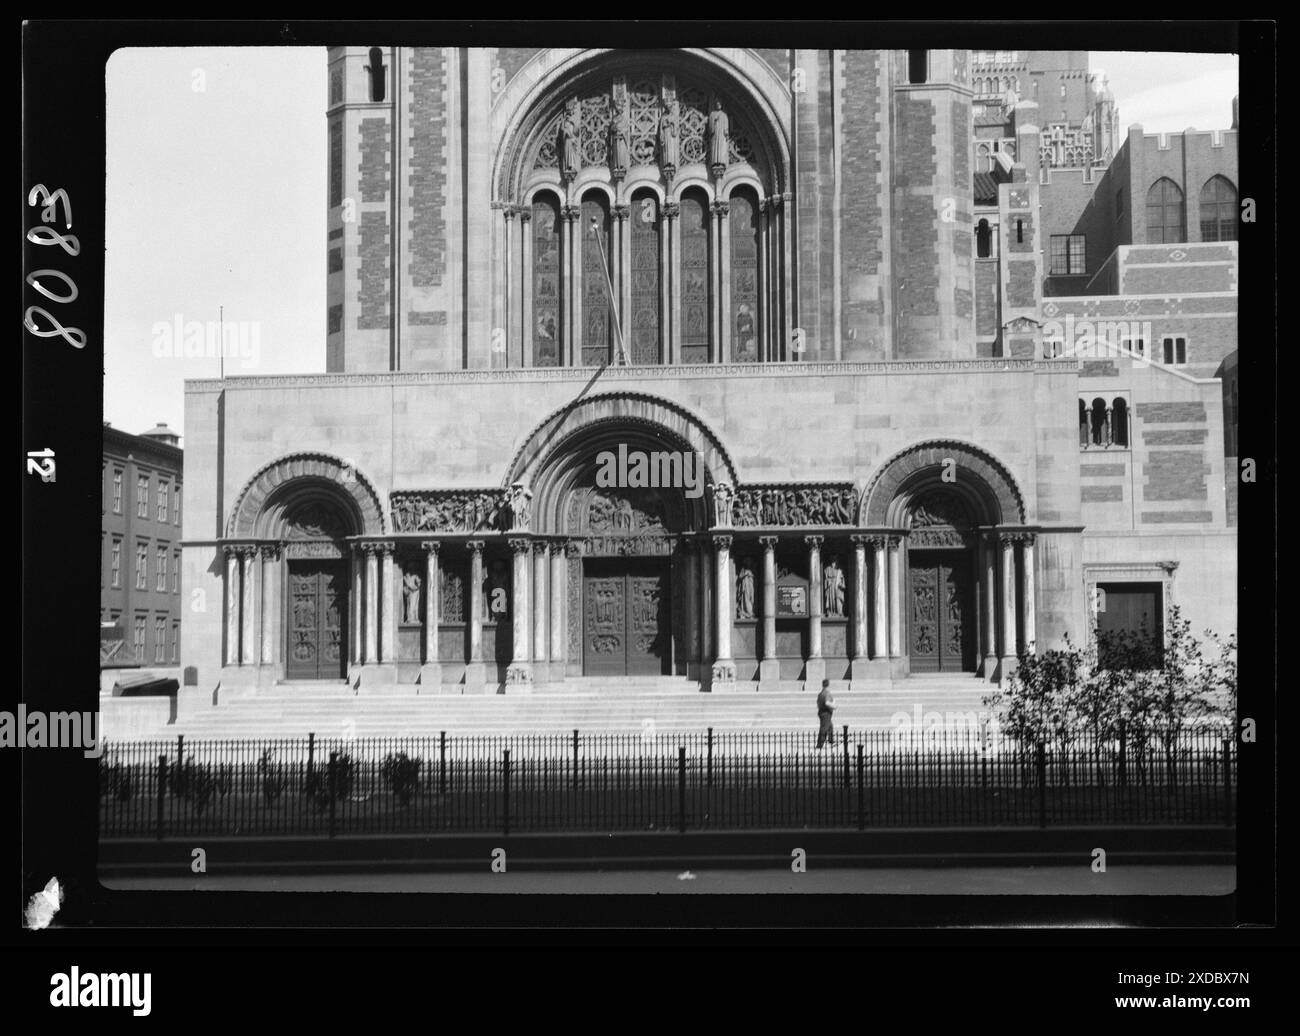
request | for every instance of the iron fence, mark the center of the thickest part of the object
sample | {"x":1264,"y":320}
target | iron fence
{"x":705,"y":780}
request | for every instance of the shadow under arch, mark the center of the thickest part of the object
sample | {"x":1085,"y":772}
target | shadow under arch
{"x":284,"y":489}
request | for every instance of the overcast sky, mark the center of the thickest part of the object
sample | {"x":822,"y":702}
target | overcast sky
{"x":216,"y":197}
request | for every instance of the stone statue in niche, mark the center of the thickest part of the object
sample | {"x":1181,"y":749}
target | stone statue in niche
{"x":719,"y":129}
{"x":745,"y":591}
{"x":668,"y":137}
{"x":410,"y":597}
{"x":569,"y":149}
{"x":619,"y":156}
{"x":833,"y":588}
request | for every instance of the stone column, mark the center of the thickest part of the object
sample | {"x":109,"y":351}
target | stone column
{"x":520,"y":670}
{"x":764,"y":289}
{"x":769,"y":669}
{"x":270,"y":602}
{"x":507,"y":322}
{"x":989,"y":574}
{"x":724,"y":669}
{"x":431,"y":670}
{"x":475,"y":669}
{"x":721,"y":211}
{"x":570,"y":253}
{"x":665,"y":345}
{"x":784,"y":203}
{"x":388,"y":609}
{"x":371,"y":652}
{"x":356,"y":636}
{"x":623,"y":276}
{"x":248,"y":640}
{"x":232,"y":605}
{"x":559,"y":623}
{"x":690,"y":598}
{"x":1027,"y":596}
{"x":880,"y":599}
{"x":673,"y":277}
{"x":526,"y":286}
{"x":858,"y":647}
{"x":706,"y":625}
{"x":1007,"y":545}
{"x":539,"y":610}
{"x":573,"y":607}
{"x":895,"y":596}
{"x":815,"y":666}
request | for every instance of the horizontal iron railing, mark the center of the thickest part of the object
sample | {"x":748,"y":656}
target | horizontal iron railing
{"x":699,"y":780}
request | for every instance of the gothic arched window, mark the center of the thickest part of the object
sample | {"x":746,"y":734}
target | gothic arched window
{"x":644,"y":330}
{"x":1165,"y":224}
{"x":1218,"y":210}
{"x":745,"y":297}
{"x":695,"y":277}
{"x":597,"y":328}
{"x":547,"y":312}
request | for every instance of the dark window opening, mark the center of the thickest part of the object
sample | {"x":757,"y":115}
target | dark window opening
{"x":917,"y":65}
{"x":1020,"y":232}
{"x":983,"y":240}
{"x":1119,"y":422}
{"x":1130,"y":625}
{"x":376,"y":70}
{"x":1068,"y":254}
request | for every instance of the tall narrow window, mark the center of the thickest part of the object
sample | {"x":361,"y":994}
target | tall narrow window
{"x":176,"y":506}
{"x":117,"y":490}
{"x":1119,"y":422}
{"x":142,"y":497}
{"x":743,"y":226}
{"x":162,"y":569}
{"x":137,"y":638}
{"x":141,"y":566}
{"x":1175,"y":350}
{"x":1083,"y":423}
{"x":918,"y":62}
{"x":162,"y":500}
{"x":1100,"y":423}
{"x":376,"y":70}
{"x":597,"y":318}
{"x":115,"y":569}
{"x":983,"y":240}
{"x":1218,"y":210}
{"x":1165,"y":224}
{"x":547,"y":335}
{"x":643,"y":225}
{"x":696,"y":340}
{"x":159,"y":639}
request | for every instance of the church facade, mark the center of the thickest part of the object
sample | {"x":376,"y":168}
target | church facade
{"x":797,"y":302}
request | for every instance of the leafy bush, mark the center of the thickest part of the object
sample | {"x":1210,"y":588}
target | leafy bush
{"x":271,"y":774}
{"x":402,"y":774}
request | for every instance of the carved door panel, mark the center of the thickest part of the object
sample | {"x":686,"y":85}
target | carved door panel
{"x":625,"y":622}
{"x":940,"y":614}
{"x":316,"y":633}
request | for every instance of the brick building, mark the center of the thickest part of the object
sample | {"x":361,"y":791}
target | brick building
{"x":812,"y":269}
{"x":140,"y":557}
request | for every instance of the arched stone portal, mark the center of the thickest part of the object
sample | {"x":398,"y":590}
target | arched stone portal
{"x":300,"y":603}
{"x":954,"y":587}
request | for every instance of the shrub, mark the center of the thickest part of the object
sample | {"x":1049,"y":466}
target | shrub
{"x":401,"y":773}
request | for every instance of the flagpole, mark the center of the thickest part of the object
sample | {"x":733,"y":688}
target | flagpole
{"x":604,"y":265}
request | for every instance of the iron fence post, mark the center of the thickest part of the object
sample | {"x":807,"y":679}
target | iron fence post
{"x":162,"y":791}
{"x":709,"y":768}
{"x":846,"y":755}
{"x":442,"y":762}
{"x":575,"y":758}
{"x":681,"y":789}
{"x":505,"y":791}
{"x":862,"y":814}
{"x":1042,"y":784}
{"x":333,"y":791}
{"x":1227,"y":782}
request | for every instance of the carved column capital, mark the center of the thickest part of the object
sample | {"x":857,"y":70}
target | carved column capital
{"x":1026,"y":539}
{"x":571,"y":213}
{"x":525,"y":213}
{"x":672,"y":209}
{"x":861,"y":539}
{"x":475,"y":546}
{"x":541,"y":547}
{"x":720,"y":208}
{"x":621,"y":212}
{"x":722,"y":542}
{"x":270,"y":551}
{"x":573,"y":549}
{"x":509,"y":212}
{"x":430,"y":546}
{"x":1007,"y":539}
{"x":768,"y":543}
{"x":386,"y":547}
{"x":521,"y":546}
{"x":814,"y":541}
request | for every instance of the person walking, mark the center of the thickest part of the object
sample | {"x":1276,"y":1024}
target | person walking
{"x":825,"y":714}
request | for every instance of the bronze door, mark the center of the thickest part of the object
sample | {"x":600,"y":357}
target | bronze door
{"x":317,"y":603}
{"x":941,"y":613}
{"x":625,"y":627}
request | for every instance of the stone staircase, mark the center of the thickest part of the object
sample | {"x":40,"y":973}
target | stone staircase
{"x":588,"y":704}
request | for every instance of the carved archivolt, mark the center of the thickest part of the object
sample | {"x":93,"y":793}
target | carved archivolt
{"x":299,"y":483}
{"x":985,"y":486}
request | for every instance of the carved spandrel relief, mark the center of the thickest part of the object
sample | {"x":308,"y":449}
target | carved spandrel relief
{"x":485,"y":510}
{"x":315,"y":521}
{"x":940,"y":519}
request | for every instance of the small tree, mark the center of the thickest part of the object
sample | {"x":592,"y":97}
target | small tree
{"x":401,"y":773}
